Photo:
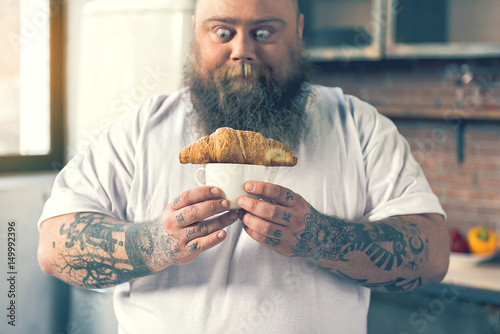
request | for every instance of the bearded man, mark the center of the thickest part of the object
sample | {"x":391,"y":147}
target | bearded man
{"x":356,"y":213}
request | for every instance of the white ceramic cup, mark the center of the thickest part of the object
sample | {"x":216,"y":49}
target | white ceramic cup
{"x":230,"y":178}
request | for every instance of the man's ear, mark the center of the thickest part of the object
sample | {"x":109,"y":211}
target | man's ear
{"x":300,"y":25}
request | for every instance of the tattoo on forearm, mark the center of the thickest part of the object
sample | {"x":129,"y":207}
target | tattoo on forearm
{"x":89,"y":256}
{"x":398,"y":285}
{"x":388,"y":248}
{"x":95,"y":232}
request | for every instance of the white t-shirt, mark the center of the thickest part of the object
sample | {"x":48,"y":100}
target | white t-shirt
{"x":354,"y":165}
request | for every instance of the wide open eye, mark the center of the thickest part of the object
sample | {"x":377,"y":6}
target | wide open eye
{"x":224,"y":33}
{"x":262,"y":34}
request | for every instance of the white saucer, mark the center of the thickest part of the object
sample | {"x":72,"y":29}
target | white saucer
{"x":468,"y":259}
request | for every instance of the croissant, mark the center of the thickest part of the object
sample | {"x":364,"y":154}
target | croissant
{"x":227,"y":145}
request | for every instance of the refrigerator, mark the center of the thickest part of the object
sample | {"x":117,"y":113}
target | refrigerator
{"x":129,"y":51}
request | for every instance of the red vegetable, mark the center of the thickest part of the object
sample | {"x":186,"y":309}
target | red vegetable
{"x":458,"y":242}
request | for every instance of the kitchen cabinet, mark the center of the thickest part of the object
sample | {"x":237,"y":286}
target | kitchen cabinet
{"x":347,"y":30}
{"x":442,"y":29}
{"x":343,"y":29}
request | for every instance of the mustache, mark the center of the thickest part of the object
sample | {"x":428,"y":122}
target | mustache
{"x":230,"y":91}
{"x":227,"y":73}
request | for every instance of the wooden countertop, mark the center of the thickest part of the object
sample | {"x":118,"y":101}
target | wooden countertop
{"x":445,"y":114}
{"x":484,"y":275}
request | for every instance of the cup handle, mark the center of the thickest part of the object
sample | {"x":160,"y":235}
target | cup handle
{"x":197,"y":176}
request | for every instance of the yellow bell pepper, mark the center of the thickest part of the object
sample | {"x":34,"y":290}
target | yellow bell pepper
{"x":482,"y":240}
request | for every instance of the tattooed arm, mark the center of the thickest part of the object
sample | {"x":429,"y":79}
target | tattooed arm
{"x":92,"y":250}
{"x":395,"y":254}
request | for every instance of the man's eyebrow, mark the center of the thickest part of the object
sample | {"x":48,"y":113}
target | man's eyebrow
{"x":269,"y":19}
{"x":253,"y":22}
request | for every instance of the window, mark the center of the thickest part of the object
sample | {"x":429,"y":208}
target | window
{"x":31,"y":72}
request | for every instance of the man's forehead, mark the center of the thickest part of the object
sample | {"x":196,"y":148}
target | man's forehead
{"x":241,"y":9}
{"x":236,"y":21}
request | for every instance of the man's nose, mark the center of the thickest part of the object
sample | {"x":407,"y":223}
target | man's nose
{"x":243,"y":49}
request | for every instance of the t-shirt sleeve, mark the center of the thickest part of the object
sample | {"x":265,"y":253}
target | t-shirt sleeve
{"x":99,"y":178}
{"x":396,"y":184}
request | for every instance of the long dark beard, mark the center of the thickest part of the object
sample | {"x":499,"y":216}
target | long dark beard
{"x":276,"y":108}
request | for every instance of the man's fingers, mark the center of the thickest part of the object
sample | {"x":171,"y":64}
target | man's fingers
{"x":273,"y":192}
{"x":204,"y":235}
{"x":263,"y":227}
{"x":202,"y":244}
{"x":200,"y":211}
{"x":268,"y":211}
{"x":206,"y":227}
{"x":262,"y":239}
{"x":196,"y":195}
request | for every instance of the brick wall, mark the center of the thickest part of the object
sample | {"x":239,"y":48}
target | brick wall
{"x":469,"y":191}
